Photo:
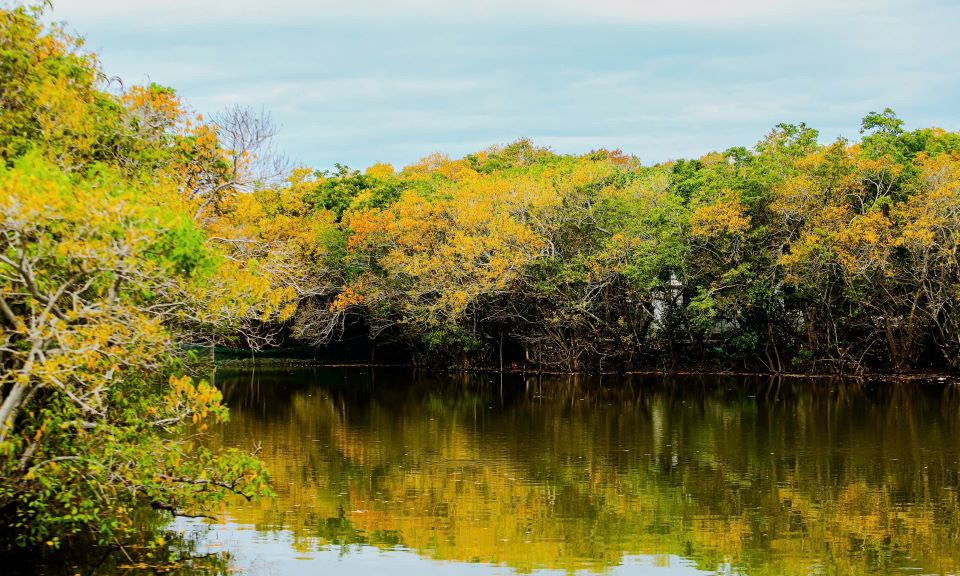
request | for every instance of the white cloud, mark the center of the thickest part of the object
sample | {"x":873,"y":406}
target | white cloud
{"x":359,"y":81}
{"x":198,"y":12}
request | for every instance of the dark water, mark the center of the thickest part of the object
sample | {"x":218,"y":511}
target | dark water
{"x":388,"y":472}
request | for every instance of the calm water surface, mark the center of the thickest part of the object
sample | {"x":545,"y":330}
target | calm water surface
{"x":390,"y":472}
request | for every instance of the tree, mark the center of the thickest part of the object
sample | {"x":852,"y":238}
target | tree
{"x":100,"y":264}
{"x":88,"y":272}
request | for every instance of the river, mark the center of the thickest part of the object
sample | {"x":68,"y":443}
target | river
{"x":391,"y":472}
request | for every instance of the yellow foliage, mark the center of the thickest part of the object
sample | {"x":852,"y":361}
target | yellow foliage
{"x":380,"y":170}
{"x":347,"y":298}
{"x":724,"y":216}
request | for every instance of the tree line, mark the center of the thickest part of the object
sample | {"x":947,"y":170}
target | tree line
{"x":789,"y":256}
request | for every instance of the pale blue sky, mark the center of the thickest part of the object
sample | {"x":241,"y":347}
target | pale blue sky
{"x":363,"y":81}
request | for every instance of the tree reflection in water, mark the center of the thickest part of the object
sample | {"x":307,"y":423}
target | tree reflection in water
{"x":762,"y":476}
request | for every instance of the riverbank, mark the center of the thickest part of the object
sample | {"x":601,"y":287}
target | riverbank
{"x":266,"y":361}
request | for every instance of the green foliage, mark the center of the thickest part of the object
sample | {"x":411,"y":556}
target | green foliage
{"x":348,"y":188}
{"x":518,"y":154}
{"x":183,"y":246}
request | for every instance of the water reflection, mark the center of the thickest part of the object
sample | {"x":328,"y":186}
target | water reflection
{"x":722,"y":475}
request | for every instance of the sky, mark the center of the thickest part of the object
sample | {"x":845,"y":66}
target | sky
{"x":363,"y":81}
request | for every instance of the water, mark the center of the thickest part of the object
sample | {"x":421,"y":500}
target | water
{"x":388,"y":472}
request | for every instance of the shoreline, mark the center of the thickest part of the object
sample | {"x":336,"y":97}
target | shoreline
{"x":876,"y":376}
